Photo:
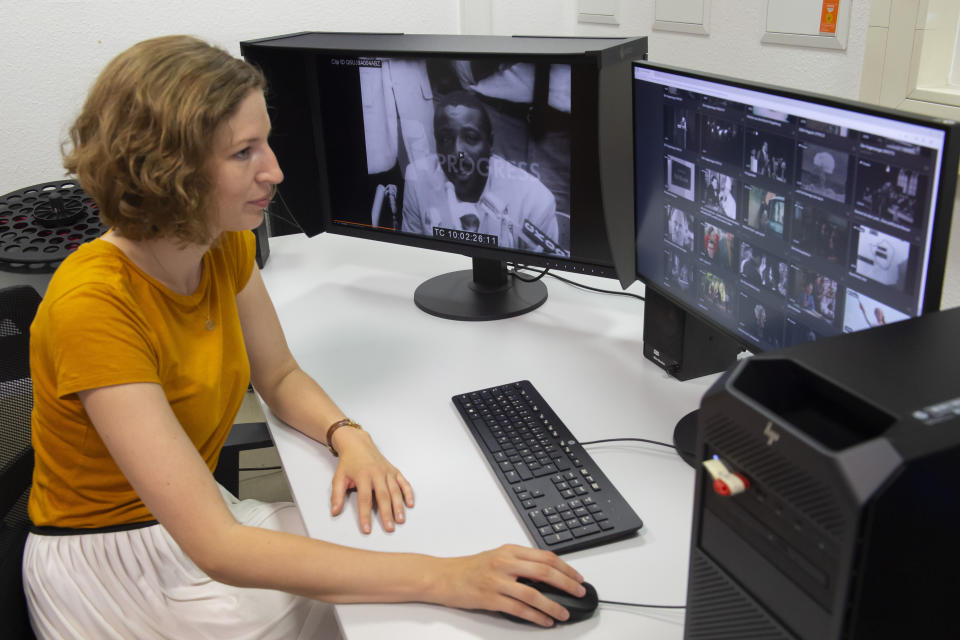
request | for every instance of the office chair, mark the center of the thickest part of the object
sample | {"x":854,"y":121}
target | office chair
{"x":18,"y":305}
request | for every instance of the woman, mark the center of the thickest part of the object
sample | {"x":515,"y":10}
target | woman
{"x":141,"y":352}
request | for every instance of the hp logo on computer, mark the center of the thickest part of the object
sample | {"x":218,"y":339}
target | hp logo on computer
{"x":772,"y":436}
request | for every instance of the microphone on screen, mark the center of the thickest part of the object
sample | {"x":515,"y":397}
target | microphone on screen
{"x":535,"y":236}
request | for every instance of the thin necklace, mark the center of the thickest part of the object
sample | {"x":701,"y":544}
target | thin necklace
{"x":209,"y":325}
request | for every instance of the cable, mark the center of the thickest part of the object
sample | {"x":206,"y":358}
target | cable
{"x":522,"y":279}
{"x":647,"y":606}
{"x":597,"y":290}
{"x":274,"y":214}
{"x":662,"y":444}
{"x":259,"y":468}
{"x":573,"y":283}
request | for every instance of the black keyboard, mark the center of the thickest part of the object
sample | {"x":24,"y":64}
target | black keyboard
{"x":559,"y":491}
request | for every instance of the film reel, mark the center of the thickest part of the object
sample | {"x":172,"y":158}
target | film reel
{"x":41,"y":225}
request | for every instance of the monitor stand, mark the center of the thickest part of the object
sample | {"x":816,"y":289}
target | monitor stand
{"x":486,"y":292}
{"x":685,"y":437}
{"x":686,"y":347}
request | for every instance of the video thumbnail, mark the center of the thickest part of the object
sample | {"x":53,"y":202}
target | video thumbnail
{"x":769,"y":155}
{"x":678,"y":272}
{"x":765,"y":211}
{"x":718,"y":246}
{"x":815,"y":293}
{"x":680,"y":227}
{"x":721,"y":140}
{"x":799,"y":333}
{"x":891,"y":194}
{"x":681,"y":178}
{"x":763,"y":270}
{"x":818,"y":233}
{"x":716,"y":294}
{"x":717,"y":193}
{"x":882,"y":257}
{"x":762,"y":322}
{"x":679,"y":127}
{"x":824,"y":171}
{"x":863,"y":312}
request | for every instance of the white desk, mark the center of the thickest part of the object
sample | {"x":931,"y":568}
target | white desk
{"x":347,"y":308}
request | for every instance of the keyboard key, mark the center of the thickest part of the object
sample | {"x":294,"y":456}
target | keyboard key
{"x":587,"y":530}
{"x":488,"y":439}
{"x":523,"y":470}
{"x":557,"y":538}
{"x":538,"y":519}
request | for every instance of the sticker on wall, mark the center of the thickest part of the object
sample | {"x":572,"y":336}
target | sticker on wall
{"x":808,"y":23}
{"x":828,"y":16}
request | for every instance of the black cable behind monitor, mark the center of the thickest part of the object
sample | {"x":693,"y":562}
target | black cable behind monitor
{"x":546,"y":272}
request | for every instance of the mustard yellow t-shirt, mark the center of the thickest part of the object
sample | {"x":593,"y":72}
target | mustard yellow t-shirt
{"x":105,"y":322}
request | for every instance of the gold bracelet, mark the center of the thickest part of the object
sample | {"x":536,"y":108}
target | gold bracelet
{"x":346,"y":422}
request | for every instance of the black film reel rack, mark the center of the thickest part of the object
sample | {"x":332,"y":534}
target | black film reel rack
{"x":41,"y":225}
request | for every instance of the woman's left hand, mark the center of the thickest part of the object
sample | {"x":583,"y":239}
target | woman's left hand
{"x":364,"y":468}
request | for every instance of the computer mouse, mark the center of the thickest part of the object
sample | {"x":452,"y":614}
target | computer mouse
{"x":579,"y":608}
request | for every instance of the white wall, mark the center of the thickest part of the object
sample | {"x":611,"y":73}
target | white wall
{"x":53,"y":49}
{"x":731,"y":48}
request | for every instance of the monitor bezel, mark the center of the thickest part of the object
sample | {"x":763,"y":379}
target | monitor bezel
{"x":943,"y":211}
{"x":596,"y":52}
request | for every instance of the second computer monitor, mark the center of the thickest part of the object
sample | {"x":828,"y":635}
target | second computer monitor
{"x":780,"y":217}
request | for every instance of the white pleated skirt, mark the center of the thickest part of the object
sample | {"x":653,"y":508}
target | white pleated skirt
{"x":139,"y":584}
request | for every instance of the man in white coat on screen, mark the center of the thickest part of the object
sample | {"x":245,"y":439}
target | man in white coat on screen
{"x":465,"y":188}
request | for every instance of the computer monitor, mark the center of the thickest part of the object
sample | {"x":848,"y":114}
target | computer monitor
{"x":775,"y":217}
{"x":485,"y":146}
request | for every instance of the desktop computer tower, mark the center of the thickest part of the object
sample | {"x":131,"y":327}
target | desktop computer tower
{"x":847,"y":527}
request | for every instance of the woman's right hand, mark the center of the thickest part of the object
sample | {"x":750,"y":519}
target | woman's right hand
{"x":488,"y":581}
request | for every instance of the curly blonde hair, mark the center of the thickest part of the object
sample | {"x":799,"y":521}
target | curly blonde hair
{"x":141,"y":144}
